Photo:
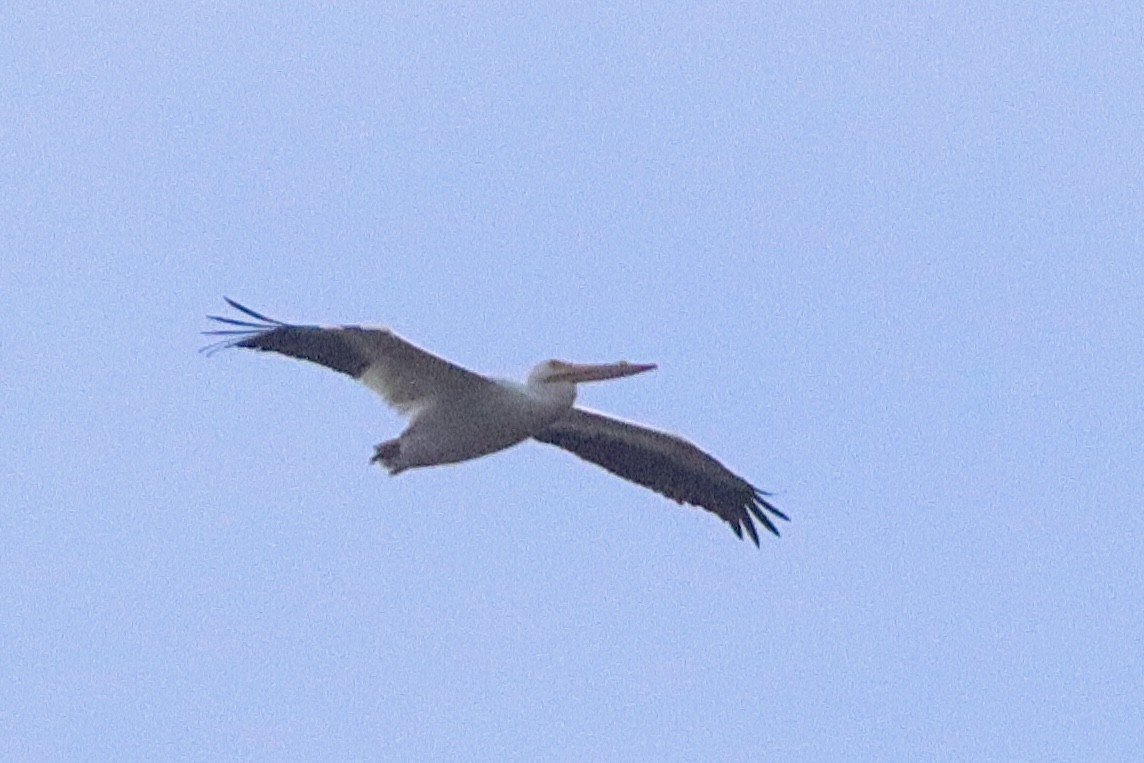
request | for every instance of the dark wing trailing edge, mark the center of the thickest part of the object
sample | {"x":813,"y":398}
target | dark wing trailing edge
{"x":665,"y":463}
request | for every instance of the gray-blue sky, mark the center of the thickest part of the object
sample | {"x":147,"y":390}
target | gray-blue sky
{"x":887,"y":258}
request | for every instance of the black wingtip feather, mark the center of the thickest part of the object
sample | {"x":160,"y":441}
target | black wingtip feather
{"x":244,"y":309}
{"x":756,"y":508}
{"x":761,"y":497}
{"x":238,"y":335}
{"x":751,"y":530}
{"x":328,"y":347}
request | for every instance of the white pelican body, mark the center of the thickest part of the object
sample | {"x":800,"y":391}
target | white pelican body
{"x":456,"y":414}
{"x":452,"y":430}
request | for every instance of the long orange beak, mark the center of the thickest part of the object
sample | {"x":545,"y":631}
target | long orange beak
{"x":587,"y":372}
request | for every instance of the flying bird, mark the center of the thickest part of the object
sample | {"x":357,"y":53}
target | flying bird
{"x":455,"y":414}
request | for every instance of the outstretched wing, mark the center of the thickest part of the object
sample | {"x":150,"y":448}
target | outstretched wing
{"x":664,"y":463}
{"x":402,"y":373}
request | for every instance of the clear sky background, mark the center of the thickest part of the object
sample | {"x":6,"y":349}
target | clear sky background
{"x":887,"y":257}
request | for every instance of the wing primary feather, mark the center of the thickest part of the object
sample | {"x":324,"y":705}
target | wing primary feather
{"x":245,"y":328}
{"x":329,"y":347}
{"x":235,"y":322}
{"x":761,"y":499}
{"x":751,"y":529}
{"x":257,"y":316}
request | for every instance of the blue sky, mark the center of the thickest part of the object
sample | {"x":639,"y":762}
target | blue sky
{"x":888,"y":260}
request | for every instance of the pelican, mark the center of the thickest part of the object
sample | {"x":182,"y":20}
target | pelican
{"x":456,"y":415}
